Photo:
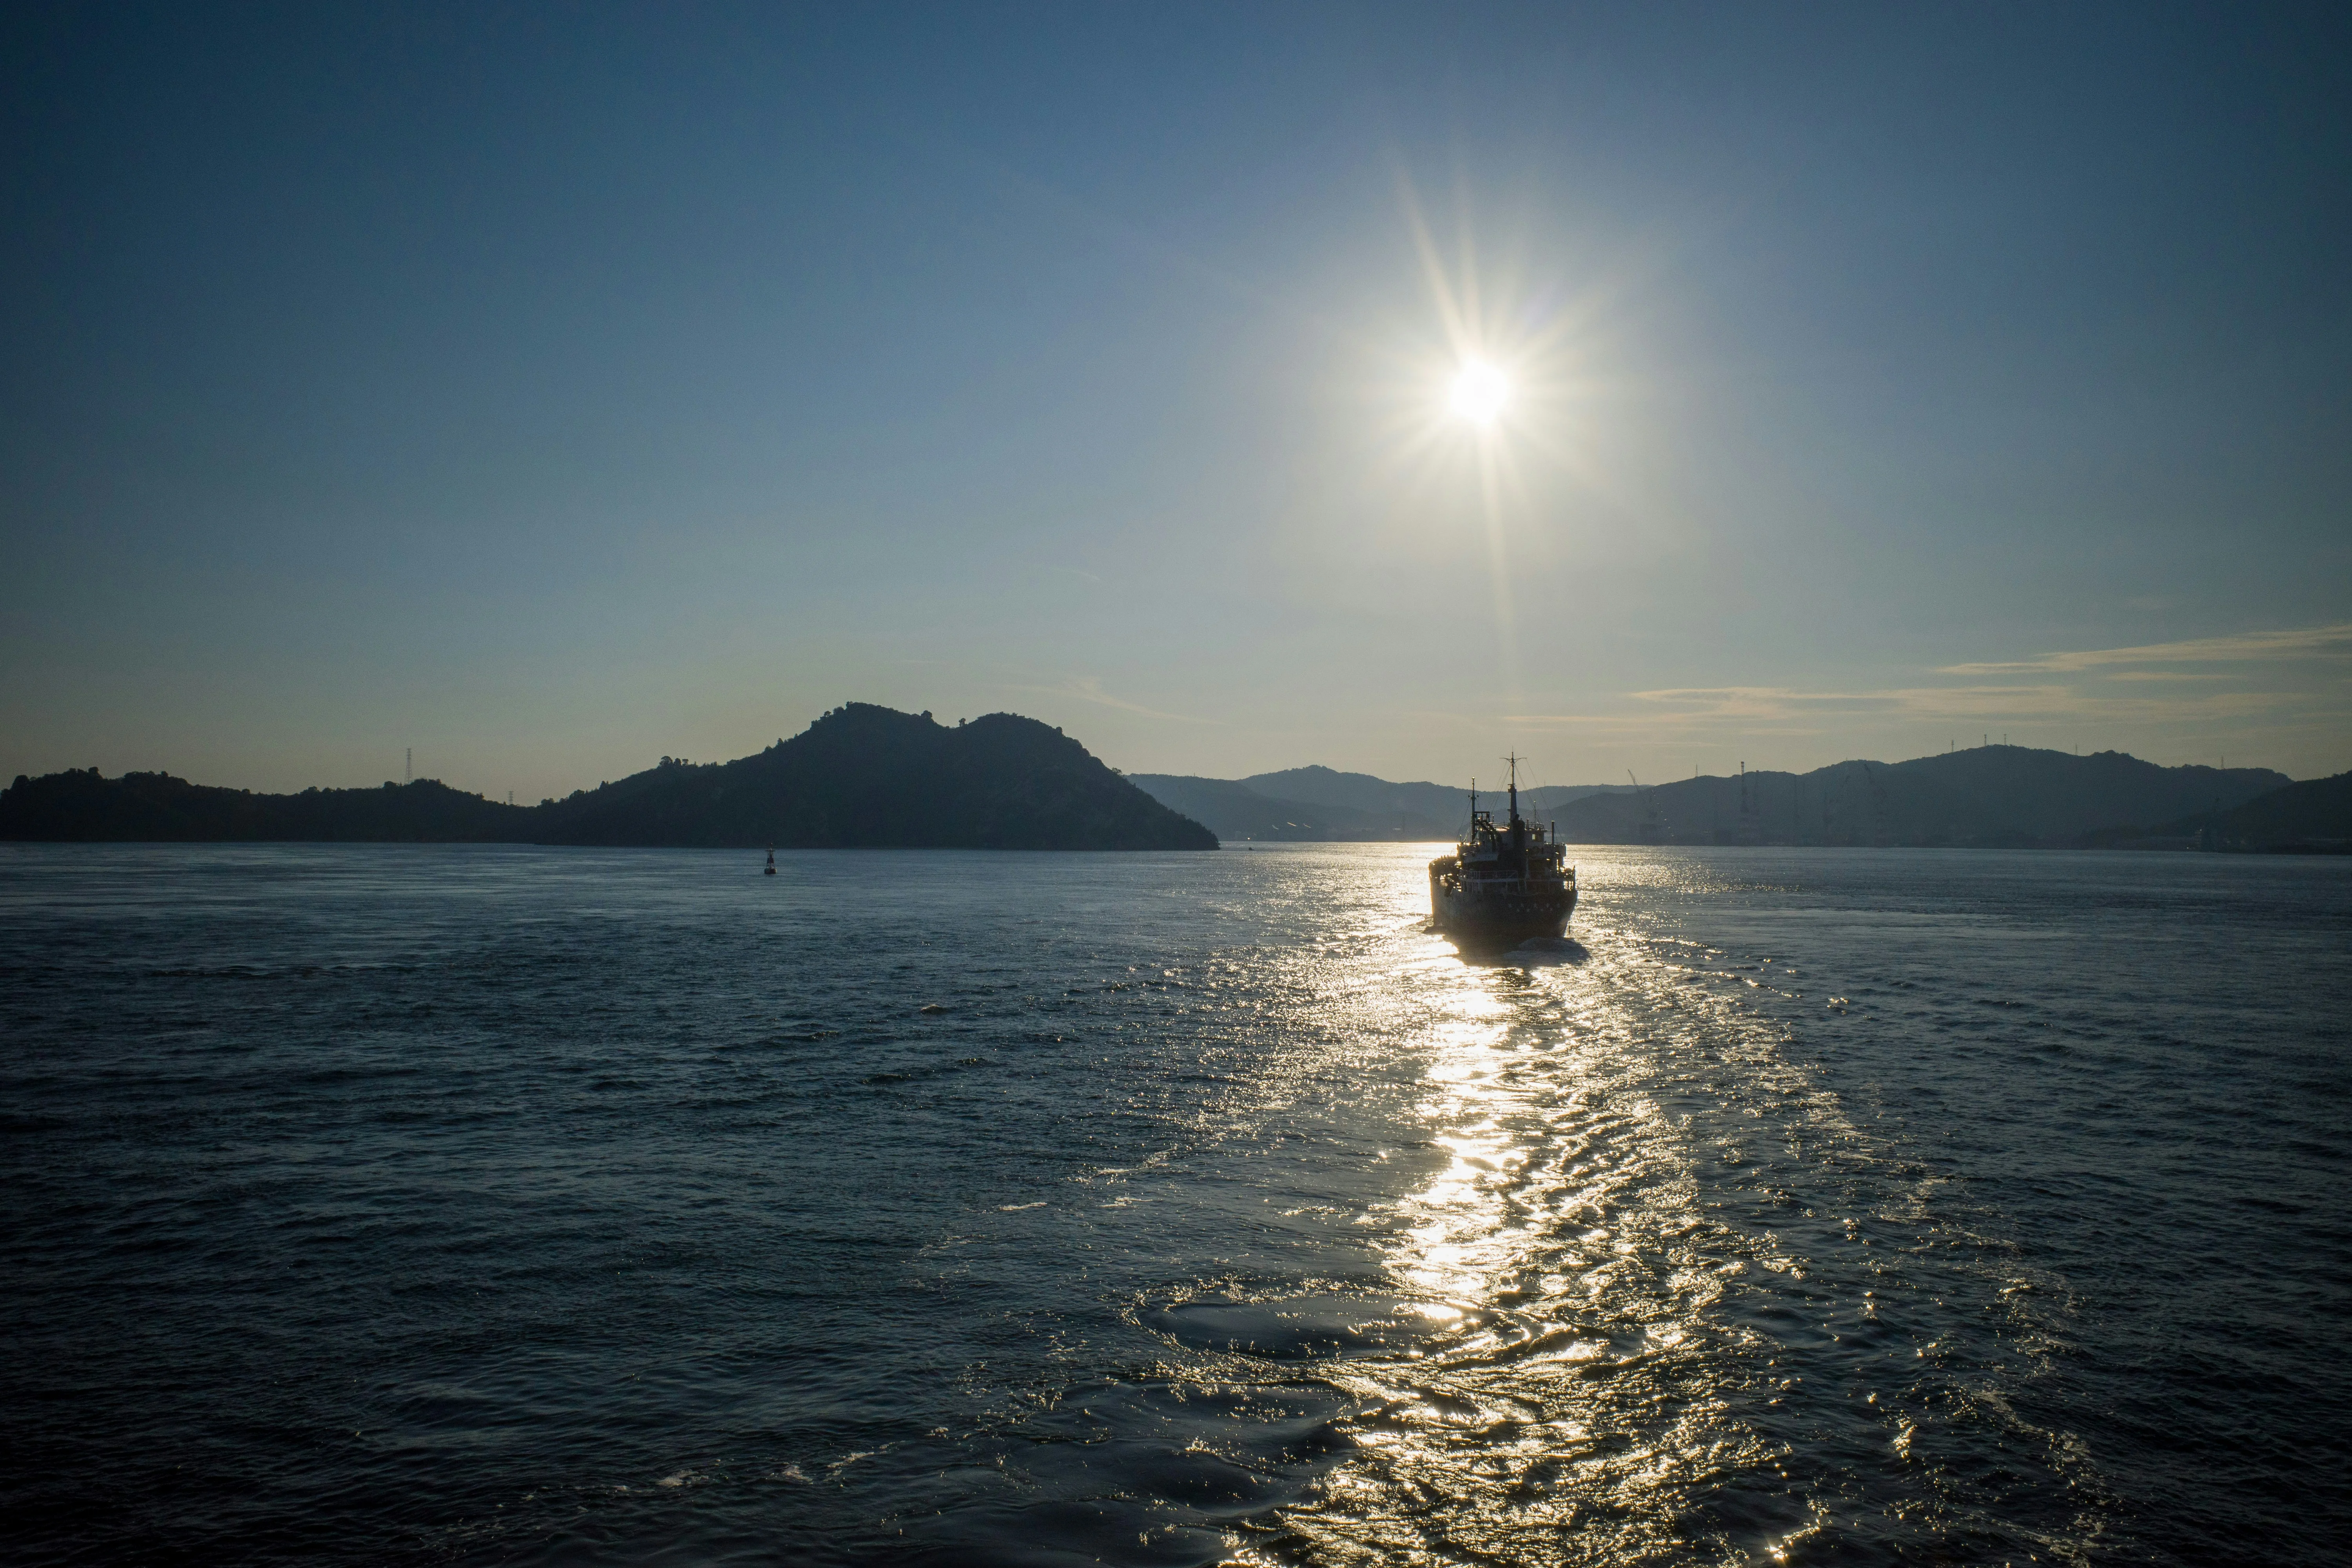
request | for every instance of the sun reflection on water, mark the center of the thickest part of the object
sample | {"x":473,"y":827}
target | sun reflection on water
{"x":1558,"y":1407}
{"x":1612,"y":1295}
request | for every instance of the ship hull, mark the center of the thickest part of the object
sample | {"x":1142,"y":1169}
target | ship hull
{"x":1511,"y":912}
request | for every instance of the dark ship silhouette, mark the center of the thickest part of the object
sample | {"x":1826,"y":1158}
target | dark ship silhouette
{"x":1502,"y":884}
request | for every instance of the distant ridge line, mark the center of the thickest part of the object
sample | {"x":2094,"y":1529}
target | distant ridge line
{"x":1984,"y":796}
{"x":866,"y":776}
{"x":860,"y":776}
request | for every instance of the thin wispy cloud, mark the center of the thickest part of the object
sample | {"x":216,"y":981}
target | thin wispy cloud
{"x":2309,"y":642}
{"x":1790,"y":711}
{"x":1089,"y":689}
{"x":2012,"y":703}
{"x":2117,"y":694}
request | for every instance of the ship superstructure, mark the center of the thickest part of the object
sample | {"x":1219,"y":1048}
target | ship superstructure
{"x":1504,"y":882}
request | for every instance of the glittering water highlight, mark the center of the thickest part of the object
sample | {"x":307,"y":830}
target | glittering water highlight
{"x":495,"y":1206}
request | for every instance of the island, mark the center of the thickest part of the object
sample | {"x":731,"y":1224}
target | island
{"x":862,"y":776}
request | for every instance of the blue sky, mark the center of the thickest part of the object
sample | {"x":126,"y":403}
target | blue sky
{"x":548,"y":389}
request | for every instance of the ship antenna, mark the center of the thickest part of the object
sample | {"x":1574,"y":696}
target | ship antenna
{"x":1514,"y":760}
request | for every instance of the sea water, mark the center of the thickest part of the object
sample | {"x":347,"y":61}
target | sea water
{"x":514,"y":1205}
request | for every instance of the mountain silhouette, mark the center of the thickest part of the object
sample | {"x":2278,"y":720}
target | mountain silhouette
{"x":2313,"y":815}
{"x":866,"y":776}
{"x":80,"y":804}
{"x":1321,"y":804}
{"x":1987,"y":795}
{"x":1990,"y":795}
{"x":860,"y":777}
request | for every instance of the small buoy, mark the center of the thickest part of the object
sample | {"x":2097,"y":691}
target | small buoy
{"x":771,"y":860}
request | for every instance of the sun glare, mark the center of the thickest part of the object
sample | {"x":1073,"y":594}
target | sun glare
{"x":1480,"y":391}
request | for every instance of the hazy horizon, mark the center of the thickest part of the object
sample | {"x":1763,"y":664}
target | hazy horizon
{"x":549,"y":393}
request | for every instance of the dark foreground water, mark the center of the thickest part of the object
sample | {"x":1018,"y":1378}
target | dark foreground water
{"x":392,"y":1204}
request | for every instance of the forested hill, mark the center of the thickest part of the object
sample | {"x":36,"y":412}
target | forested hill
{"x":78,"y":804}
{"x":1316,"y":804}
{"x":2014,"y":795}
{"x":1996,"y":796}
{"x":2314,"y":815}
{"x":862,"y":776}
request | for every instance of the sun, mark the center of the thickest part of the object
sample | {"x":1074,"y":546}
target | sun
{"x":1481,"y":392}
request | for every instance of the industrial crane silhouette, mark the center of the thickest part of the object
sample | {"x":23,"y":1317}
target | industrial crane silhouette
{"x":1653,"y":831}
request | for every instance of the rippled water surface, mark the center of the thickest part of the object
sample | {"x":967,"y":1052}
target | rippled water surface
{"x":490,"y":1205}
